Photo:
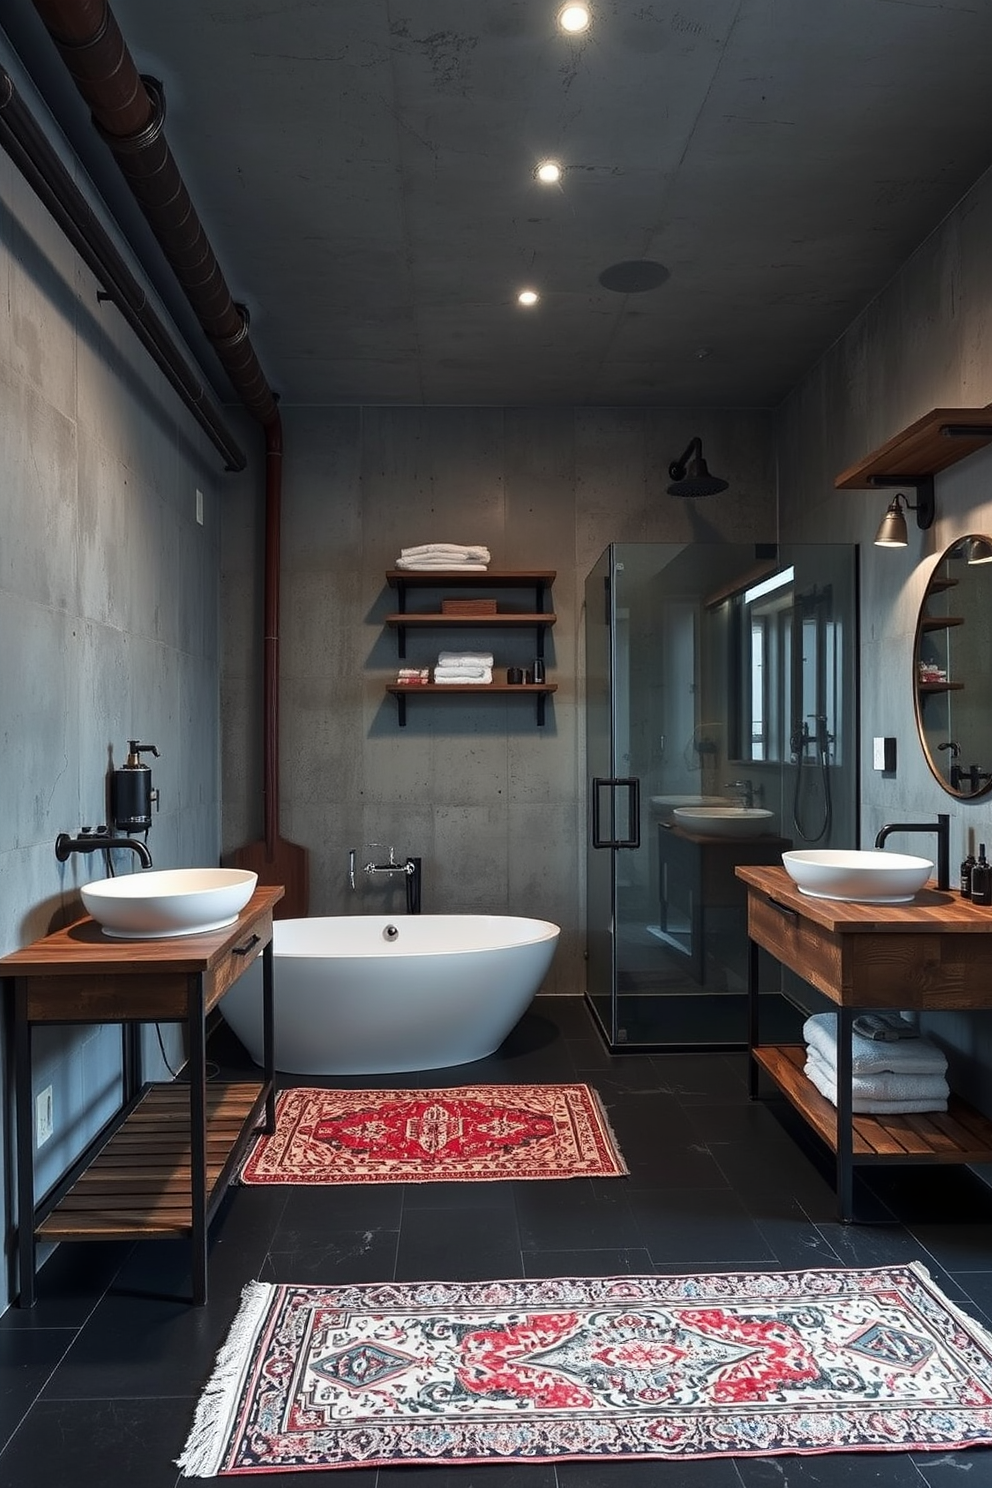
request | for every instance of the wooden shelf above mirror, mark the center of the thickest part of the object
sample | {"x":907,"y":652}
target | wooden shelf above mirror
{"x":922,"y":449}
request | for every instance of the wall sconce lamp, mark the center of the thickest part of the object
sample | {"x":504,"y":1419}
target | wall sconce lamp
{"x":979,"y":550}
{"x":892,"y":532}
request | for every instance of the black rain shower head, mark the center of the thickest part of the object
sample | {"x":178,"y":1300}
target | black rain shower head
{"x":690,"y":477}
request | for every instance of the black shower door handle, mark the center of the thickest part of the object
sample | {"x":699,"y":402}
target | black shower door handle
{"x":632,"y":785}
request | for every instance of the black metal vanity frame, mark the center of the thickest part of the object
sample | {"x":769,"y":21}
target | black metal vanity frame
{"x":932,"y":954}
{"x":78,"y":976}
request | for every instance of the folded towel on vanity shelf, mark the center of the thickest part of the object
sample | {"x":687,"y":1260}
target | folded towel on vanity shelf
{"x":481,"y":680}
{"x":826,"y":1084}
{"x":870,"y":1056}
{"x":465,"y":658}
{"x":467,"y":552}
{"x":439,"y":565}
{"x":885,"y":1086}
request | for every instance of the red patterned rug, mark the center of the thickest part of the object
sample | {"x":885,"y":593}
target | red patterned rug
{"x":739,"y":1364}
{"x":476,"y":1132}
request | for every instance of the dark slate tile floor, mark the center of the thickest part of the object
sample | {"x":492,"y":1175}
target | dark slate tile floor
{"x":99,"y":1381}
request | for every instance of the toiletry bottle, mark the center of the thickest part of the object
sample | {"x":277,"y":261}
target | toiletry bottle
{"x":967,"y":865}
{"x":981,"y":879}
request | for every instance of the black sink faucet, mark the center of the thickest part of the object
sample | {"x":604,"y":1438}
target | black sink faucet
{"x":98,"y":840}
{"x":942,"y":827}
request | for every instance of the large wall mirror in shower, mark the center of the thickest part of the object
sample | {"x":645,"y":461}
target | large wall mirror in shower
{"x":953,"y":668}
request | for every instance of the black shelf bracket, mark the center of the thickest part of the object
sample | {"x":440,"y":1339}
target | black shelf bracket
{"x":923,"y":485}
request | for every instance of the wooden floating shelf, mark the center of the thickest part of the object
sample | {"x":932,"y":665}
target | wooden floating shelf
{"x":488,"y":578}
{"x":940,"y":622}
{"x":959,"y":1135}
{"x":413,"y":618}
{"x":921,"y":449}
{"x":409,"y":689}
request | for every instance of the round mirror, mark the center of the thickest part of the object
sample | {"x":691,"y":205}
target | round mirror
{"x":953,"y":668}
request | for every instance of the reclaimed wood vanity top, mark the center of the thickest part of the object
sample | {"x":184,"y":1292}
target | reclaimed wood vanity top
{"x":931,"y":911}
{"x":81,"y":975}
{"x":83,"y":947}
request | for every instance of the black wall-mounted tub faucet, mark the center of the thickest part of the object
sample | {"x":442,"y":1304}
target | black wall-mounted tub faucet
{"x":98,"y":840}
{"x":942,"y":828}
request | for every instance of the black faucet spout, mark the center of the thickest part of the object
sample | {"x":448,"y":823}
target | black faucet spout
{"x":942,"y":828}
{"x":88,"y":842}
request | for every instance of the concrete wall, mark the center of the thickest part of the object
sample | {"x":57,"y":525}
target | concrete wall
{"x":108,"y":623}
{"x":925,"y":343}
{"x":494,"y":805}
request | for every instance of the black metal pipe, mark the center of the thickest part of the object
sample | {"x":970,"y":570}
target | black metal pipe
{"x":26,"y":144}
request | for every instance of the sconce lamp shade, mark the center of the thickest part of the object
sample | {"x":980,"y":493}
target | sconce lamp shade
{"x":892,"y":532}
{"x":980,"y":550}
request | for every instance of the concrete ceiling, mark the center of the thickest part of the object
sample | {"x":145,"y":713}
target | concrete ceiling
{"x":365,"y":172}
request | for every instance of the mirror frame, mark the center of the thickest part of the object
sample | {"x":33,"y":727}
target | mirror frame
{"x":941,"y":776}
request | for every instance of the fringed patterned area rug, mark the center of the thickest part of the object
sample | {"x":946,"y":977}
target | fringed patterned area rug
{"x":739,"y":1364}
{"x":420,"y":1136}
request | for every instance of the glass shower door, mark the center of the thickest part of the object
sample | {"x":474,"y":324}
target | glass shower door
{"x":716,"y":674}
{"x":600,"y":895}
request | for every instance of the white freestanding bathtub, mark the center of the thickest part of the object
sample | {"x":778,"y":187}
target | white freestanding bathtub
{"x":374,"y":995}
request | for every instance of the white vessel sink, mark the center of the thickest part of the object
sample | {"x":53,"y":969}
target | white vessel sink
{"x":665,"y":805}
{"x":723,"y":821}
{"x":871,"y":876}
{"x":173,"y":901}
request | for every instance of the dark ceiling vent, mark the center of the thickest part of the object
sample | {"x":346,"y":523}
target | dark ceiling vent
{"x":634,"y":276}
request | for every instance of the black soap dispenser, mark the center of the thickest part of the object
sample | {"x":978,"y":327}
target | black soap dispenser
{"x":981,"y":879}
{"x":967,"y":864}
{"x":131,"y":793}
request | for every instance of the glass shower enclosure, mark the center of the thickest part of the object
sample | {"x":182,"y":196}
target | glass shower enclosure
{"x":717,"y":676}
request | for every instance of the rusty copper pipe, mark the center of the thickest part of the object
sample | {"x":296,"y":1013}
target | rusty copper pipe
{"x":129,"y":112}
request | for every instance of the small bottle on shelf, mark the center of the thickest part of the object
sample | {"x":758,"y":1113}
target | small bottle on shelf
{"x":981,"y":879}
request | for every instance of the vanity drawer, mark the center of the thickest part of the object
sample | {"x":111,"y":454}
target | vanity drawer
{"x":800,"y":944}
{"x":249,"y":945}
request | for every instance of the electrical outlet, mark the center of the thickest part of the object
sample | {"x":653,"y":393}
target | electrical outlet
{"x":199,"y":507}
{"x":43,"y":1117}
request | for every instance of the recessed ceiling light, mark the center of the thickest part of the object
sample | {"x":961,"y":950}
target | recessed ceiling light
{"x":548,"y":171}
{"x":574,"y":17}
{"x":528,"y":297}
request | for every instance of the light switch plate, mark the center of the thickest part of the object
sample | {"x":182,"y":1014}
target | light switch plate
{"x":884,"y":755}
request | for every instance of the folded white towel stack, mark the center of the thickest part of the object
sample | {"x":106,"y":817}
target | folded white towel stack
{"x":883,"y":1092}
{"x":457,"y":557}
{"x":465,"y":658}
{"x":906,"y":1075}
{"x":871,"y":1056}
{"x":464,"y":666}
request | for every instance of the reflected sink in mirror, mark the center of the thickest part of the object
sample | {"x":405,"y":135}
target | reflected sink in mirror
{"x":170,"y":902}
{"x":665,"y":805}
{"x":723,"y":821}
{"x":870,"y":876}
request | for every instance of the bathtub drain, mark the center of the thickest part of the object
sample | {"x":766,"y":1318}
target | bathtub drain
{"x":391,"y":933}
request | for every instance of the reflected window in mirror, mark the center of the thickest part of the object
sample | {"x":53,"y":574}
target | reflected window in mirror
{"x":787,"y":697}
{"x":952,"y":665}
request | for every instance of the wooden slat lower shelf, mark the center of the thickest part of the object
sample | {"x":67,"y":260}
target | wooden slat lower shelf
{"x":139,"y":1184}
{"x":959,"y":1135}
